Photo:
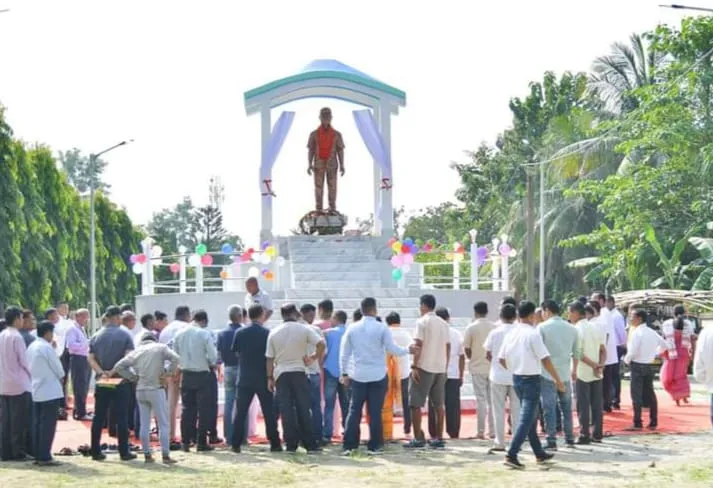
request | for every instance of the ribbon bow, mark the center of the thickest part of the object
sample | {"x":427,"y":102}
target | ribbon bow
{"x":268,"y":189}
{"x":386,"y":183}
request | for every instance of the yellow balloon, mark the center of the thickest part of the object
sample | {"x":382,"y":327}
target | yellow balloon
{"x":396,"y":246}
{"x":270,"y":251}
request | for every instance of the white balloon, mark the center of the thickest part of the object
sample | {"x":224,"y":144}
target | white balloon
{"x":280,"y":261}
{"x":513,"y":253}
{"x":253,"y":272}
{"x":264,"y":258}
{"x":156,"y":251}
{"x":137,"y":268}
{"x":406,"y":268}
{"x":194,"y":260}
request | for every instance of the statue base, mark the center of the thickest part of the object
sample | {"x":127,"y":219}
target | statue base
{"x":323,"y":223}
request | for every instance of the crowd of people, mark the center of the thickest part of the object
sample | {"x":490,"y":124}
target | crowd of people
{"x":531,"y":366}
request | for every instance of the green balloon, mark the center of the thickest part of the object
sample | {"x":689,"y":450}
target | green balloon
{"x":397,"y":274}
{"x":201,"y":249}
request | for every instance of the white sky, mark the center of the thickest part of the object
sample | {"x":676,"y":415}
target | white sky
{"x":171,"y":75}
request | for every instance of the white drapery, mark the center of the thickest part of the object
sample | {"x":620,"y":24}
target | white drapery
{"x":374,"y":142}
{"x":277,"y":139}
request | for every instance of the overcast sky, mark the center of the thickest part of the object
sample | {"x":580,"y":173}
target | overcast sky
{"x":171,"y":75}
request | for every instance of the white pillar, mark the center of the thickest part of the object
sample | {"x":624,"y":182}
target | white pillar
{"x":146,"y":284}
{"x":265,"y":133}
{"x":377,"y":178}
{"x":504,"y":268}
{"x":199,"y":278}
{"x":386,"y":196}
{"x":456,"y":271}
{"x":495,"y":262}
{"x":473,"y":259}
{"x":182,"y":271}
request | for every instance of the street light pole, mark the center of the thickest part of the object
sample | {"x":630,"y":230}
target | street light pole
{"x":542,"y":233}
{"x":685,"y":7}
{"x":93,"y":231}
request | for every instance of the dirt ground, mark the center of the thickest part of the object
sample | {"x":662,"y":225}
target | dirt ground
{"x":647,"y":460}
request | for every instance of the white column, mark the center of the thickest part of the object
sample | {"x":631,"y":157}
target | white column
{"x":387,"y":205}
{"x":265,"y":133}
{"x":473,"y":259}
{"x":377,"y":178}
{"x":146,"y":284}
{"x":456,"y":272}
{"x":505,"y":268}
{"x":182,"y":271}
{"x":199,"y":278}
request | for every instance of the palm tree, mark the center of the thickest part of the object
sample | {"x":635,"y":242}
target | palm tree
{"x":625,"y":69}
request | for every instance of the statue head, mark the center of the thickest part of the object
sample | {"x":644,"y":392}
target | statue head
{"x":325,"y":116}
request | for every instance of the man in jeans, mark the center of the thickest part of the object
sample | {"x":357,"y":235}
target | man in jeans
{"x":524,"y":354}
{"x":286,"y":351}
{"x":475,"y":335}
{"x":332,"y":372}
{"x":226,"y":355}
{"x":588,"y":364}
{"x":560,"y":339}
{"x":314,"y":375}
{"x":199,"y":356}
{"x":365,"y":345}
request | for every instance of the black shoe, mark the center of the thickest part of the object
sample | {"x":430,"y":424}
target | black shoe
{"x":584,"y":441}
{"x":215,"y":440}
{"x":99,"y":456}
{"x":277,"y":448}
{"x":186,"y":447}
{"x":652,"y":426}
{"x":174,"y":446}
{"x":570,"y":445}
{"x":205,"y":448}
{"x":128,"y":457}
{"x":634,"y":428}
{"x":236,"y":449}
{"x":314,"y":450}
{"x":545,"y":459}
{"x":597,"y":440}
{"x":437,"y":444}
{"x":551,"y":446}
{"x":513,"y":463}
{"x":415,"y":444}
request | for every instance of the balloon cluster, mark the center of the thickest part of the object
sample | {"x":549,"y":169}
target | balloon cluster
{"x":266,"y":255}
{"x":403,"y":258}
{"x":139,"y":260}
{"x":458,"y":253}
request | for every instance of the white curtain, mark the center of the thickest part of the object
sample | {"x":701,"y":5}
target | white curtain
{"x":277,"y":139}
{"x":371,"y":136}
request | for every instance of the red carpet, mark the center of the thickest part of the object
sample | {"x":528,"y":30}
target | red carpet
{"x":672,"y":420}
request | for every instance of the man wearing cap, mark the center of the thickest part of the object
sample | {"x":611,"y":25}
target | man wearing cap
{"x":325,"y":154}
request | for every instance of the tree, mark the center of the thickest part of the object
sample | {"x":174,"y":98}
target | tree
{"x":81,"y":173}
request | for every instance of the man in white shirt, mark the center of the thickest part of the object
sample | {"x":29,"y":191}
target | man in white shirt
{"x":501,"y":389}
{"x":644,"y":344}
{"x":402,"y":338}
{"x":256,"y":296}
{"x":620,"y":332}
{"x":61,"y":326}
{"x":454,"y":381}
{"x":703,"y":362}
{"x":606,"y":320}
{"x":524,"y":354}
{"x":182,"y":317}
{"x":428,"y":372}
{"x":479,"y":367}
{"x":47,"y":374}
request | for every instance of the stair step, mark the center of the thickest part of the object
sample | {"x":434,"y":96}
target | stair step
{"x":339,"y":292}
{"x":334,"y":285}
{"x":317,"y":254}
{"x":336,"y":266}
{"x":388,"y":303}
{"x":356,"y":260}
{"x":337,"y":276}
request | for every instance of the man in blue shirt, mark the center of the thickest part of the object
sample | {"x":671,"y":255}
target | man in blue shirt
{"x":366,"y":344}
{"x":229,"y":359}
{"x":332,"y":372}
{"x":250,"y":344}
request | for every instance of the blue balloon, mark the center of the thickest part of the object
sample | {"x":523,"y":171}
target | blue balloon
{"x":408,"y":241}
{"x":226,"y":249}
{"x":414,"y":249}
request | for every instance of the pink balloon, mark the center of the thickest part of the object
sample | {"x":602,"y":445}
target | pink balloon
{"x":397,"y":261}
{"x":175,"y":267}
{"x":141,"y":258}
{"x":132,"y":258}
{"x":408,"y":259}
{"x":206,"y":260}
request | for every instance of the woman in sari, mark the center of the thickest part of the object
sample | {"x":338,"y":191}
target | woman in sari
{"x":680,"y":336}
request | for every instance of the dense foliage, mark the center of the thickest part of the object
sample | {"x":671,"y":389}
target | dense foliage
{"x":627,"y":152}
{"x":44,"y":234}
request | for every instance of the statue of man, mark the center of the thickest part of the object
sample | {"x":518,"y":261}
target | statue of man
{"x":325,"y":155}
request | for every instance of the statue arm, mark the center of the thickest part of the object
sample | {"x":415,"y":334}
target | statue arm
{"x":311,"y":149}
{"x":340,"y":151}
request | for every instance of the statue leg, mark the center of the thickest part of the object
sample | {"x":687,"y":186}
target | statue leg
{"x":320,"y":170}
{"x":332,"y":185}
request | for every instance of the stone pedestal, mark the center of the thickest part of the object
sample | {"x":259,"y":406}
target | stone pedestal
{"x":323,"y":223}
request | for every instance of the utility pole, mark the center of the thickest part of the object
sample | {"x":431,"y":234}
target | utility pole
{"x":530,"y":223}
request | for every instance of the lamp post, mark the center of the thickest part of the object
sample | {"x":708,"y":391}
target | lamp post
{"x":685,"y":7}
{"x":93,"y":230}
{"x":542,"y":233}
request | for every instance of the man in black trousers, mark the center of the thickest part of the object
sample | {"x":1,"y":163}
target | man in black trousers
{"x":249,"y":345}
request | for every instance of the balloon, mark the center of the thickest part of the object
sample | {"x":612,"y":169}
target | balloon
{"x":482,"y":253}
{"x":391,"y":241}
{"x":137,"y":268}
{"x":460,"y":249}
{"x":397,"y":261}
{"x":414,"y":249}
{"x":406,"y":268}
{"x":175,"y":267}
{"x":264,"y":245}
{"x":270,"y":251}
{"x":226,"y":248}
{"x":504,"y":249}
{"x":141,"y":258}
{"x":201,"y":249}
{"x":194,"y":260}
{"x":269,"y":276}
{"x":512,"y":253}
{"x":250,"y":250}
{"x":449,"y":256}
{"x":244,"y":257}
{"x":419,"y":242}
{"x":280,"y":261}
{"x":408,"y":241}
{"x":264,"y":271}
{"x":396,"y":246}
{"x":156,"y":251}
{"x":206,"y":260}
{"x":405,"y":249}
{"x":133,"y":259}
{"x":458,"y":257}
{"x":408,"y":259}
{"x":253,"y":272}
{"x":264,"y":258}
{"x":428,"y":247}
{"x":397,"y":274}
{"x":223,"y":275}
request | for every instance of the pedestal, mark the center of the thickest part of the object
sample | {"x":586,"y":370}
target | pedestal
{"x":323,"y":223}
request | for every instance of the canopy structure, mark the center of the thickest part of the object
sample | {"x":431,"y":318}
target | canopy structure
{"x":701,"y":299}
{"x":329,"y":78}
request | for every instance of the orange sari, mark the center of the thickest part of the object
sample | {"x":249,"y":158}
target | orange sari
{"x":393,"y":396}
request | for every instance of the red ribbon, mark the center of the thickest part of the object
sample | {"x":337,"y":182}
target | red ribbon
{"x":268,"y":189}
{"x":386,"y":183}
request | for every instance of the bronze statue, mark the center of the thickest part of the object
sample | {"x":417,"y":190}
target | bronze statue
{"x":325,"y":156}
